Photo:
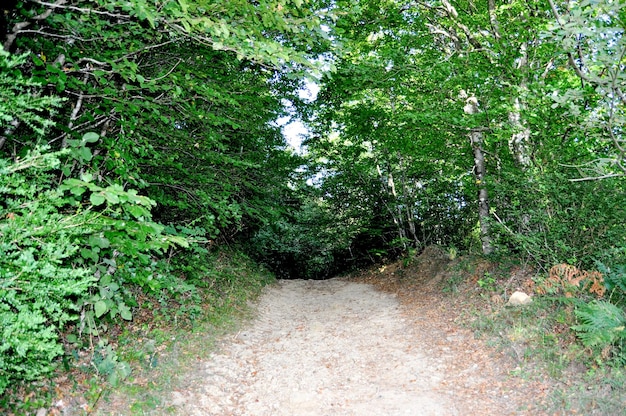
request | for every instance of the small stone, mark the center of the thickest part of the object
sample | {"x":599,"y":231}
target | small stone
{"x":519,"y":298}
{"x":42,"y":412}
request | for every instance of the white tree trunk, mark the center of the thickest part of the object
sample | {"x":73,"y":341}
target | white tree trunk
{"x":476,"y":140}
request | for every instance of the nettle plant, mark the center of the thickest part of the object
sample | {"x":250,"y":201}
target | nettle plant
{"x":68,"y":254}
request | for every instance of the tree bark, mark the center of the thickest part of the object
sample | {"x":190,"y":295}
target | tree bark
{"x":518,"y":143}
{"x":476,"y":140}
{"x":409,"y":200}
{"x":390,"y":189}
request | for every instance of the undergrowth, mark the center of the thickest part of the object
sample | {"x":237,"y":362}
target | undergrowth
{"x":567,"y":338}
{"x":131,"y":370}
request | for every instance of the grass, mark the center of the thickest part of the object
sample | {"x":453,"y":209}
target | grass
{"x":160,"y":365}
{"x":164,"y":346}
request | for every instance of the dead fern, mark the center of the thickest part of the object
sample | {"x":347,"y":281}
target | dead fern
{"x":569,"y":280}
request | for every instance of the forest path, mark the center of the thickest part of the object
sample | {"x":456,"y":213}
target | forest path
{"x":339,"y":347}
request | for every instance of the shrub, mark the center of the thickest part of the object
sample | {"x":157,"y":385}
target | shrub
{"x":61,"y":248}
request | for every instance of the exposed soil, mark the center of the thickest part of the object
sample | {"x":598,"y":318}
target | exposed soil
{"x":368,"y":345}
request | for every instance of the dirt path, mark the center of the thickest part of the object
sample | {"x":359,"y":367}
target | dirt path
{"x":337,"y":347}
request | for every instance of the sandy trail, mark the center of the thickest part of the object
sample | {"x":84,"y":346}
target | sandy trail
{"x":335,"y":347}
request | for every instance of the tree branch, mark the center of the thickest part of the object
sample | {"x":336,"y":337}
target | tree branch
{"x":597,"y":178}
{"x":60,"y":5}
{"x":22,"y":25}
{"x":191,"y":194}
{"x":168,"y":72}
{"x":147,"y":48}
{"x":74,"y":115}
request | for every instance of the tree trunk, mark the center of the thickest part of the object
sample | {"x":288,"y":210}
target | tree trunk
{"x":518,"y":143}
{"x":476,"y":140}
{"x":390,"y":189}
{"x":409,"y":201}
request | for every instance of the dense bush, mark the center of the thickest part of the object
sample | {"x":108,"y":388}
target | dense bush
{"x":184,"y":115}
{"x":311,"y":244}
{"x":67,"y":256}
{"x":547,"y":219}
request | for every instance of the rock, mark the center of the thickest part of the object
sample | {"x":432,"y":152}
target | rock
{"x":519,"y":298}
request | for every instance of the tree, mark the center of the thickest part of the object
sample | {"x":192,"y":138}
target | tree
{"x":406,"y":76}
{"x":173,"y":101}
{"x":166,"y":139}
{"x":591,"y":35}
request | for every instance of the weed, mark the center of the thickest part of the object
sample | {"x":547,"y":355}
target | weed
{"x":540,"y":337}
{"x":487,"y":282}
{"x":141,"y":360}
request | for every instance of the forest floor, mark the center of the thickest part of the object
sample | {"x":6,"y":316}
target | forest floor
{"x":384,"y":342}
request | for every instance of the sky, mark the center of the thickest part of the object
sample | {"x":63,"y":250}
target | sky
{"x":293,"y":129}
{"x":294,"y":133}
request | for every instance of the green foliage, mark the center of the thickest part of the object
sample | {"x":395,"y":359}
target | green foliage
{"x":186,"y":115}
{"x":393,"y":137}
{"x":615,"y":282}
{"x":602,"y":324}
{"x":311,"y":245}
{"x":487,"y":282}
{"x":40,"y":288}
{"x":185,"y":95}
{"x":591,"y":34}
{"x":60,"y":252}
{"x":20,"y":99}
{"x":174,"y":108}
{"x":107,"y":363}
{"x":548,"y":220}
{"x":162,"y":348}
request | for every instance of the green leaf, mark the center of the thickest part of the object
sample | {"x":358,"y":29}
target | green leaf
{"x":89,"y":254}
{"x":102,"y":242}
{"x":97,"y":199}
{"x":602,"y":323}
{"x":74,"y":143}
{"x":112,"y":198}
{"x":100,"y":308}
{"x":84,"y":154}
{"x":37,"y":61}
{"x":125,"y":312}
{"x":78,"y":190}
{"x":90,"y":137}
{"x":137,"y":211}
{"x":86,"y":177}
{"x":181,"y":241}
